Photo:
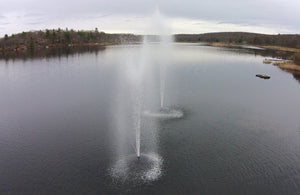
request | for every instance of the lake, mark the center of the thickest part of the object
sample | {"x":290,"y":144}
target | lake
{"x":239,"y":134}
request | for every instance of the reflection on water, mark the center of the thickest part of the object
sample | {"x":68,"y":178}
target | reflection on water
{"x":296,"y":75}
{"x":51,"y":52}
{"x":238,"y":134}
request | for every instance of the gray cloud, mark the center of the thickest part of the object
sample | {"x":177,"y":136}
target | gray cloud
{"x":34,"y":23}
{"x":98,"y":16}
{"x":280,"y":13}
{"x":34,"y":14}
{"x":4,"y":23}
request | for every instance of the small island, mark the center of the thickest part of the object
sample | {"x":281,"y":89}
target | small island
{"x":263,"y":76}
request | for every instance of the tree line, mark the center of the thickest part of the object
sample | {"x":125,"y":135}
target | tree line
{"x":64,"y":37}
{"x":61,"y":37}
{"x":285,"y":40}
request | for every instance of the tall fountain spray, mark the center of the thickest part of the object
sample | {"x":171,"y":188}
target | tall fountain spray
{"x":140,"y":96}
{"x":138,"y":132}
{"x":160,"y":27}
{"x":162,"y":86}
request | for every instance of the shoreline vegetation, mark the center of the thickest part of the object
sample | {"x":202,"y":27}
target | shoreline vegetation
{"x":58,"y":38}
{"x":286,"y":46}
{"x":290,"y":57}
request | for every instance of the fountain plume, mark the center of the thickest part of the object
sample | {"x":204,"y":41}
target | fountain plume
{"x":139,"y":75}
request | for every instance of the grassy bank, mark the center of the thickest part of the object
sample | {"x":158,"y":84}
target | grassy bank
{"x":288,"y":66}
{"x":280,"y":48}
{"x":292,"y":54}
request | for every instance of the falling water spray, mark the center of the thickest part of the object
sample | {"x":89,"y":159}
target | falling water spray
{"x":142,"y":89}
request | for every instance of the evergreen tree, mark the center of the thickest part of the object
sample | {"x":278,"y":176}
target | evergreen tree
{"x":31,"y":46}
{"x":47,"y":33}
{"x":67,"y":36}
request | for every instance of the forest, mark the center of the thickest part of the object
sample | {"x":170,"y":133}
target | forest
{"x":284,"y":40}
{"x":61,"y":38}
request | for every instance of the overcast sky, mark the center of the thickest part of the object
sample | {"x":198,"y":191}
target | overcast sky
{"x":135,"y":16}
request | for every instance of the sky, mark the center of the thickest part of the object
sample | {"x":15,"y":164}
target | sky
{"x":136,"y":16}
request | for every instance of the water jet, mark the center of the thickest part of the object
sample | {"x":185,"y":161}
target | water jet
{"x":144,"y":79}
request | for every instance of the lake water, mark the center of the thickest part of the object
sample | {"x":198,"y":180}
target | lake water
{"x":240,"y":134}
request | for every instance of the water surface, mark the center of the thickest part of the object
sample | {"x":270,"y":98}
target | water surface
{"x":240,"y":134}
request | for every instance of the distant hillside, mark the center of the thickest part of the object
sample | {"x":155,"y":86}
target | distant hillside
{"x":61,"y":38}
{"x":286,"y":40}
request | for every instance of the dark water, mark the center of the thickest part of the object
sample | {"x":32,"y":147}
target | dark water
{"x":241,"y":134}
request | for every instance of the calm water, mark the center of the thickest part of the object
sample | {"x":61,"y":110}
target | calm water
{"x":240,"y":134}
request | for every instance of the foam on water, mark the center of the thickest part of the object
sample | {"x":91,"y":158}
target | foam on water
{"x":146,"y":168}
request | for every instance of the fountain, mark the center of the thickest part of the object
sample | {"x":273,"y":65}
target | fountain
{"x":162,"y":86}
{"x":164,"y":112}
{"x":136,"y":110}
{"x":136,"y":92}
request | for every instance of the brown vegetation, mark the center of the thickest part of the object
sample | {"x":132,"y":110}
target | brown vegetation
{"x":288,"y":66}
{"x":273,"y":47}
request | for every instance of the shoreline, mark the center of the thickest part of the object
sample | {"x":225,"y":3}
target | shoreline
{"x":288,"y":66}
{"x":270,"y":47}
{"x":291,"y":65}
